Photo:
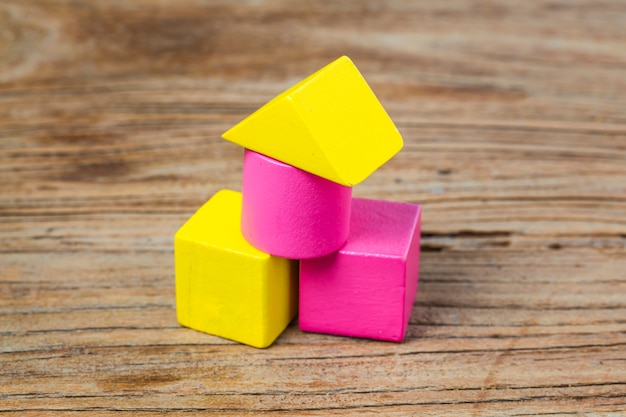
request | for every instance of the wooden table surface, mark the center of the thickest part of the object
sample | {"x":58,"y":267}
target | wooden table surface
{"x":514,"y":120}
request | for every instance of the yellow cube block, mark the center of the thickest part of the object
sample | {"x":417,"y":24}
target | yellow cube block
{"x":330,"y":124}
{"x":225,"y":286}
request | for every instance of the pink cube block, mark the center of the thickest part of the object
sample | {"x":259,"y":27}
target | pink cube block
{"x":291,"y":213}
{"x":367,"y":288}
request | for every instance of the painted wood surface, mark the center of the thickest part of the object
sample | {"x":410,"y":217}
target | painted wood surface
{"x":514,"y":121}
{"x":225,"y":286}
{"x":291,"y":213}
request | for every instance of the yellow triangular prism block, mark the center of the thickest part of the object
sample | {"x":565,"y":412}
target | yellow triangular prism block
{"x":330,"y":124}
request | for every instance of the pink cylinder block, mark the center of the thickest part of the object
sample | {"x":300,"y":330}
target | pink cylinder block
{"x":291,"y":213}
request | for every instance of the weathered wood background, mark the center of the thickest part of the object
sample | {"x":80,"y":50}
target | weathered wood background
{"x":514,"y":118}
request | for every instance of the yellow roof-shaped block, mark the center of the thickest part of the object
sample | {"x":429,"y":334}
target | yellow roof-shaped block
{"x":330,"y":124}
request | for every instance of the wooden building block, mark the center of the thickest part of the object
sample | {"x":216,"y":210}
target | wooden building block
{"x":367,"y":288}
{"x":291,"y":213}
{"x":225,"y":286}
{"x":330,"y":124}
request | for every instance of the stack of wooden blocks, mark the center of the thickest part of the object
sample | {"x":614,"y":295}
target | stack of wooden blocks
{"x":240,"y":257}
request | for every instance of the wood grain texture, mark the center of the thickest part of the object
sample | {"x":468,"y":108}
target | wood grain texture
{"x":514,"y":120}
